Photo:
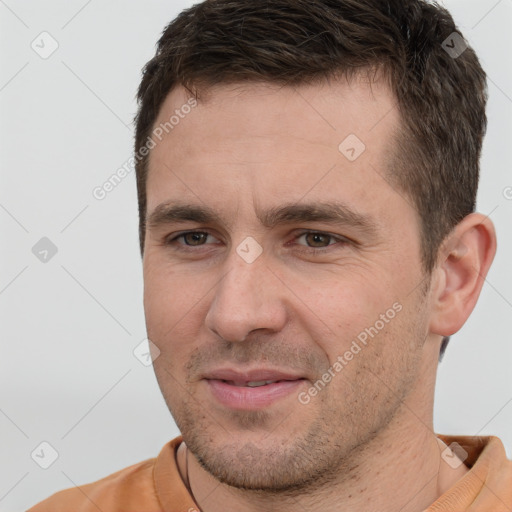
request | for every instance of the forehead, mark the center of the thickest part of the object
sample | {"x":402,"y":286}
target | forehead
{"x":264,"y":144}
{"x":327,"y":111}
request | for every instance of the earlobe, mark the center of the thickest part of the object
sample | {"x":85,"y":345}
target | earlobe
{"x":464,"y":261}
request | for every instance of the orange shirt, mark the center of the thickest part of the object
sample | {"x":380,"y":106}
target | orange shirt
{"x":155,"y":485}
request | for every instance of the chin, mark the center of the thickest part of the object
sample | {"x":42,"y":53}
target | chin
{"x":250,"y":468}
{"x":262,"y":461}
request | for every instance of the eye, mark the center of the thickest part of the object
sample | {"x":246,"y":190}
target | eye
{"x":190,"y":239}
{"x":318,"y":241}
{"x":316,"y":238}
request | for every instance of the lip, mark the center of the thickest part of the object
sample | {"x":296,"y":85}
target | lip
{"x":228,"y":387}
{"x":255,"y":374}
{"x":246,"y":398}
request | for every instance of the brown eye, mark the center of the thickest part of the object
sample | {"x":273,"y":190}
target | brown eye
{"x":318,"y":243}
{"x":194,"y":238}
{"x":317,"y":239}
{"x":188,"y":239}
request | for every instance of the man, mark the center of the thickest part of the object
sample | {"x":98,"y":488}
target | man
{"x":307,"y":173}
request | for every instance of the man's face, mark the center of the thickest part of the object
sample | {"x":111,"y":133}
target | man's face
{"x":298,"y":299}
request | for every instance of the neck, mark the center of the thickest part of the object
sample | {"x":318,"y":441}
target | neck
{"x":399,"y":469}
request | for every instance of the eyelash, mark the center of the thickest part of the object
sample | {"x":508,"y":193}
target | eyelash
{"x":309,"y":250}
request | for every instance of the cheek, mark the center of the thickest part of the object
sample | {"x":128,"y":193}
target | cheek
{"x":367,"y":331}
{"x":169,"y":292}
{"x":172,"y":303}
{"x":344,"y":307}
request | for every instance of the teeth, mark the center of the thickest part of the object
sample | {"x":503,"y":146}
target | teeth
{"x":251,"y":384}
{"x":257,"y":383}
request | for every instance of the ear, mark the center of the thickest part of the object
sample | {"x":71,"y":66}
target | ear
{"x":463,"y":262}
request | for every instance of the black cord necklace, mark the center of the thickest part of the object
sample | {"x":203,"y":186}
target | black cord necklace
{"x":189,"y":487}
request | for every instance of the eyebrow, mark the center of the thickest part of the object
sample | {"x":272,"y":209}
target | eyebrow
{"x":334,"y":213}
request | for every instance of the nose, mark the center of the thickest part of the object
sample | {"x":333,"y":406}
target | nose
{"x":249,"y":297}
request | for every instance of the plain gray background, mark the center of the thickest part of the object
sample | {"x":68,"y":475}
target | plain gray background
{"x":69,"y":325}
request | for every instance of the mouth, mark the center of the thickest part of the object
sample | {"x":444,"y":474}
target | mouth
{"x":254,"y":383}
{"x":252,"y":390}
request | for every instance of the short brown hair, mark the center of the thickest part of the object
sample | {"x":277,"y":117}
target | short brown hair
{"x":441,"y":96}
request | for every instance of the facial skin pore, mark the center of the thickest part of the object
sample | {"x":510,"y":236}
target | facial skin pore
{"x":365,"y":440}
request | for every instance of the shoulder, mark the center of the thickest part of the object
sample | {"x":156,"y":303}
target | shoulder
{"x":130,"y":489}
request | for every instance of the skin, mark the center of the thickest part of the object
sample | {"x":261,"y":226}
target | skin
{"x":365,"y":441}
